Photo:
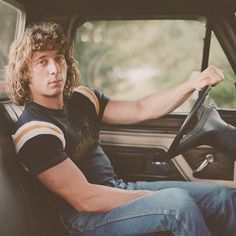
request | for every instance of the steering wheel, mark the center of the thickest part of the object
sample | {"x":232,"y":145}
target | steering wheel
{"x":173,"y":147}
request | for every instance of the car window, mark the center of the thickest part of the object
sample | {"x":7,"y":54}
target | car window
{"x":130,"y":59}
{"x":9,"y":25}
{"x":223,"y":96}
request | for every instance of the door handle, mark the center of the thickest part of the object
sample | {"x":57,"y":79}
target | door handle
{"x":158,"y":168}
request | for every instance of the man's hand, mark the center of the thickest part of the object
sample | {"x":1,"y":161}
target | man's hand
{"x":210,"y":76}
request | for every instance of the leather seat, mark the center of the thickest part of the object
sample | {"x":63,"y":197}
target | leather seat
{"x":21,"y":211}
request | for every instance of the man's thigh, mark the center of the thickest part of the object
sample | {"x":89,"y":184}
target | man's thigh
{"x":152,"y":213}
{"x":197,"y":190}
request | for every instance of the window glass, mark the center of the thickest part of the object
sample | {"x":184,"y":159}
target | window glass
{"x":223,"y":95}
{"x":130,"y":59}
{"x":8,"y":24}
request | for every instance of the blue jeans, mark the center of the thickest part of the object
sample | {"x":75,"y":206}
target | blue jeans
{"x":183,"y":208}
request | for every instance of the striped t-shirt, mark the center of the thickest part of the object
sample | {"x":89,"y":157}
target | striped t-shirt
{"x":45,"y":137}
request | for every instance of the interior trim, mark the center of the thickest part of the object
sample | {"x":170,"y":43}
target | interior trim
{"x":144,"y":139}
{"x":122,"y":138}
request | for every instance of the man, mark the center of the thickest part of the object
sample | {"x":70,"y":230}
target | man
{"x":56,"y":139}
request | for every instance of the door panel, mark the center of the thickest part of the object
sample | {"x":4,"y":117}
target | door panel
{"x":141,"y":163}
{"x":137,"y":153}
{"x":221,"y":166}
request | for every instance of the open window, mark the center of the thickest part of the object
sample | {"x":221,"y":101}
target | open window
{"x":223,"y":96}
{"x":133,"y":58}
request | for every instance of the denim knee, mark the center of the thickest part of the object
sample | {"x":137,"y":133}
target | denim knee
{"x":223,"y":210}
{"x":220,"y":195}
{"x":188,"y":217}
{"x":182,"y":199}
{"x":225,"y":193}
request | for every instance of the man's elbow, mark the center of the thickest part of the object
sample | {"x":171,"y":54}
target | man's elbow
{"x":86,"y":206}
{"x":91,"y":205}
{"x":81,"y":207}
{"x":81,"y":204}
{"x":84,"y":202}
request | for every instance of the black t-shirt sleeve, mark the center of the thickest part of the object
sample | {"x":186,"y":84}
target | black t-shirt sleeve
{"x":90,"y":97}
{"x":103,"y":100}
{"x":41,"y":153}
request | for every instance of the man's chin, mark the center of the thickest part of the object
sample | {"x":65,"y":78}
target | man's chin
{"x":55,"y":94}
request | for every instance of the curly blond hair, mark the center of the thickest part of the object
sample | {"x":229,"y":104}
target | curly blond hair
{"x":37,"y":38}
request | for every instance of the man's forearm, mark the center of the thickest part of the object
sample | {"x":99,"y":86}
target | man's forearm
{"x":100,"y":198}
{"x":66,"y":180}
{"x":164,"y":102}
{"x":152,"y":106}
{"x":169,"y":100}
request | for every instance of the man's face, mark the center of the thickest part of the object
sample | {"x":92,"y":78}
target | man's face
{"x":48,"y":71}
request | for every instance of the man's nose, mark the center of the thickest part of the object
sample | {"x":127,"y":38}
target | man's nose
{"x":53,"y":67}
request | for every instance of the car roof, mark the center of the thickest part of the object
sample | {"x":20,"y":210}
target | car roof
{"x":121,"y":8}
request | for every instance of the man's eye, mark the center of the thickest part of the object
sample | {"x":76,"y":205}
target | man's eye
{"x":60,"y":59}
{"x":42,"y":62}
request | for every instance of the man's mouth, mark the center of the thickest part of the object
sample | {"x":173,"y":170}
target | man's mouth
{"x":58,"y":81}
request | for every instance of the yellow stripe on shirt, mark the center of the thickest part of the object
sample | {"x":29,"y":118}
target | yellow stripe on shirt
{"x":34,"y":128}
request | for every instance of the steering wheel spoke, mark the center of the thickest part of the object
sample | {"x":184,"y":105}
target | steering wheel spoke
{"x":172,"y":152}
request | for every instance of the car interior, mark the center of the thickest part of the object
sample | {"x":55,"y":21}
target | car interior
{"x":196,"y":143}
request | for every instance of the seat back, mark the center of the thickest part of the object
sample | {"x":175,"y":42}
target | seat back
{"x":22,"y":212}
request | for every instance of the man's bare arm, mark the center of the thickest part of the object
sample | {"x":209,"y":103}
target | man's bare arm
{"x":66,"y":180}
{"x":159,"y":103}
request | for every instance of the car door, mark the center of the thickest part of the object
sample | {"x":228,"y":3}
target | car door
{"x":129,"y":59}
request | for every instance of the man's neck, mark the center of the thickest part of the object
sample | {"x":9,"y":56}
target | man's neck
{"x":51,"y":103}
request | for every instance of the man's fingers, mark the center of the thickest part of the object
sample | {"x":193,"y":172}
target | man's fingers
{"x":218,"y":72}
{"x":210,"y":76}
{"x":213,"y":75}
